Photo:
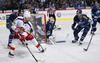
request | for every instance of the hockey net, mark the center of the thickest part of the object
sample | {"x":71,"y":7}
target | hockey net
{"x":39,"y":27}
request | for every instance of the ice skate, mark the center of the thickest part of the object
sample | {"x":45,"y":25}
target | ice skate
{"x":43,"y":50}
{"x":80,"y":42}
{"x":74,"y":41}
{"x":8,"y":46}
{"x":11,"y":55}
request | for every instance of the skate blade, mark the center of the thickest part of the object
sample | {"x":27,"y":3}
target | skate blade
{"x":10,"y":56}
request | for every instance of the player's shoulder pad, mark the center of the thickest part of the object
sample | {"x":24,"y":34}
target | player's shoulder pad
{"x":13,"y":15}
{"x":85,"y":16}
{"x":20,"y":18}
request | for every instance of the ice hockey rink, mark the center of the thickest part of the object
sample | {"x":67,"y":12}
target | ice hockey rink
{"x":65,"y":52}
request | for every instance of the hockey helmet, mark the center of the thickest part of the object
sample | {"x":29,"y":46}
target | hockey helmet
{"x":79,"y":11}
{"x":96,"y":3}
{"x":20,"y":12}
{"x":52,"y":19}
{"x":27,"y":14}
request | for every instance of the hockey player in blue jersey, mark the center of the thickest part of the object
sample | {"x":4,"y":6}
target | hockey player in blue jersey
{"x":95,"y":16}
{"x":50,"y":27}
{"x":9,"y":21}
{"x":83,"y":22}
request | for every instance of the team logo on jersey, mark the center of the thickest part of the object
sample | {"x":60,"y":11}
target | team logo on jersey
{"x":59,"y":14}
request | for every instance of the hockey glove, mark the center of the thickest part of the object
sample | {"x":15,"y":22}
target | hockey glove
{"x":22,"y":39}
{"x":73,"y":27}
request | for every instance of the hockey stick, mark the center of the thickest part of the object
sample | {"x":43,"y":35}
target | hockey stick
{"x":85,"y":49}
{"x":52,"y":42}
{"x":51,"y":39}
{"x":31,"y":52}
{"x":26,"y":45}
{"x":39,"y":61}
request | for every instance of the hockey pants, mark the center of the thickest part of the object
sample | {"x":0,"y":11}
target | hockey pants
{"x":78,"y":29}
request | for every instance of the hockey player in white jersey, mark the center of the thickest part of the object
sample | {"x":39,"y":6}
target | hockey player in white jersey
{"x":22,"y":33}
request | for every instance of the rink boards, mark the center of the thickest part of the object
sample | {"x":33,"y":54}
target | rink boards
{"x":61,"y":15}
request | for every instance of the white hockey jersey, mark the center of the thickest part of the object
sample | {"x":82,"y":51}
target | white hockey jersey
{"x":18,"y":22}
{"x":28,"y":27}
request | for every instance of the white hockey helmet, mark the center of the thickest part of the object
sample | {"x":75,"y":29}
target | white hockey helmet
{"x":27,"y":14}
{"x":52,"y":19}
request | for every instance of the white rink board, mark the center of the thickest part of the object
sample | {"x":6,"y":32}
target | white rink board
{"x":60,"y":14}
{"x":64,"y":14}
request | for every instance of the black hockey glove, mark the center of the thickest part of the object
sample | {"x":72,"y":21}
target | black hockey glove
{"x":73,"y":27}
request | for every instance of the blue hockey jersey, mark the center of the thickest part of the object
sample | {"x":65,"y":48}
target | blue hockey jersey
{"x":83,"y":21}
{"x":95,"y":12}
{"x":10,"y":19}
{"x":49,"y":28}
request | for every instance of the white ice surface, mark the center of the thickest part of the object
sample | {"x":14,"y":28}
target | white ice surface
{"x":59,"y":53}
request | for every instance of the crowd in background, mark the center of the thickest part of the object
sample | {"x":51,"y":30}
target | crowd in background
{"x":45,"y":4}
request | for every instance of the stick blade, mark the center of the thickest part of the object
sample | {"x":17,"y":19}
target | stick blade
{"x":41,"y":61}
{"x":85,"y":49}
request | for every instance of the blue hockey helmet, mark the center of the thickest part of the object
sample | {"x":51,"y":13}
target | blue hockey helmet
{"x":79,"y":11}
{"x":20,"y":11}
